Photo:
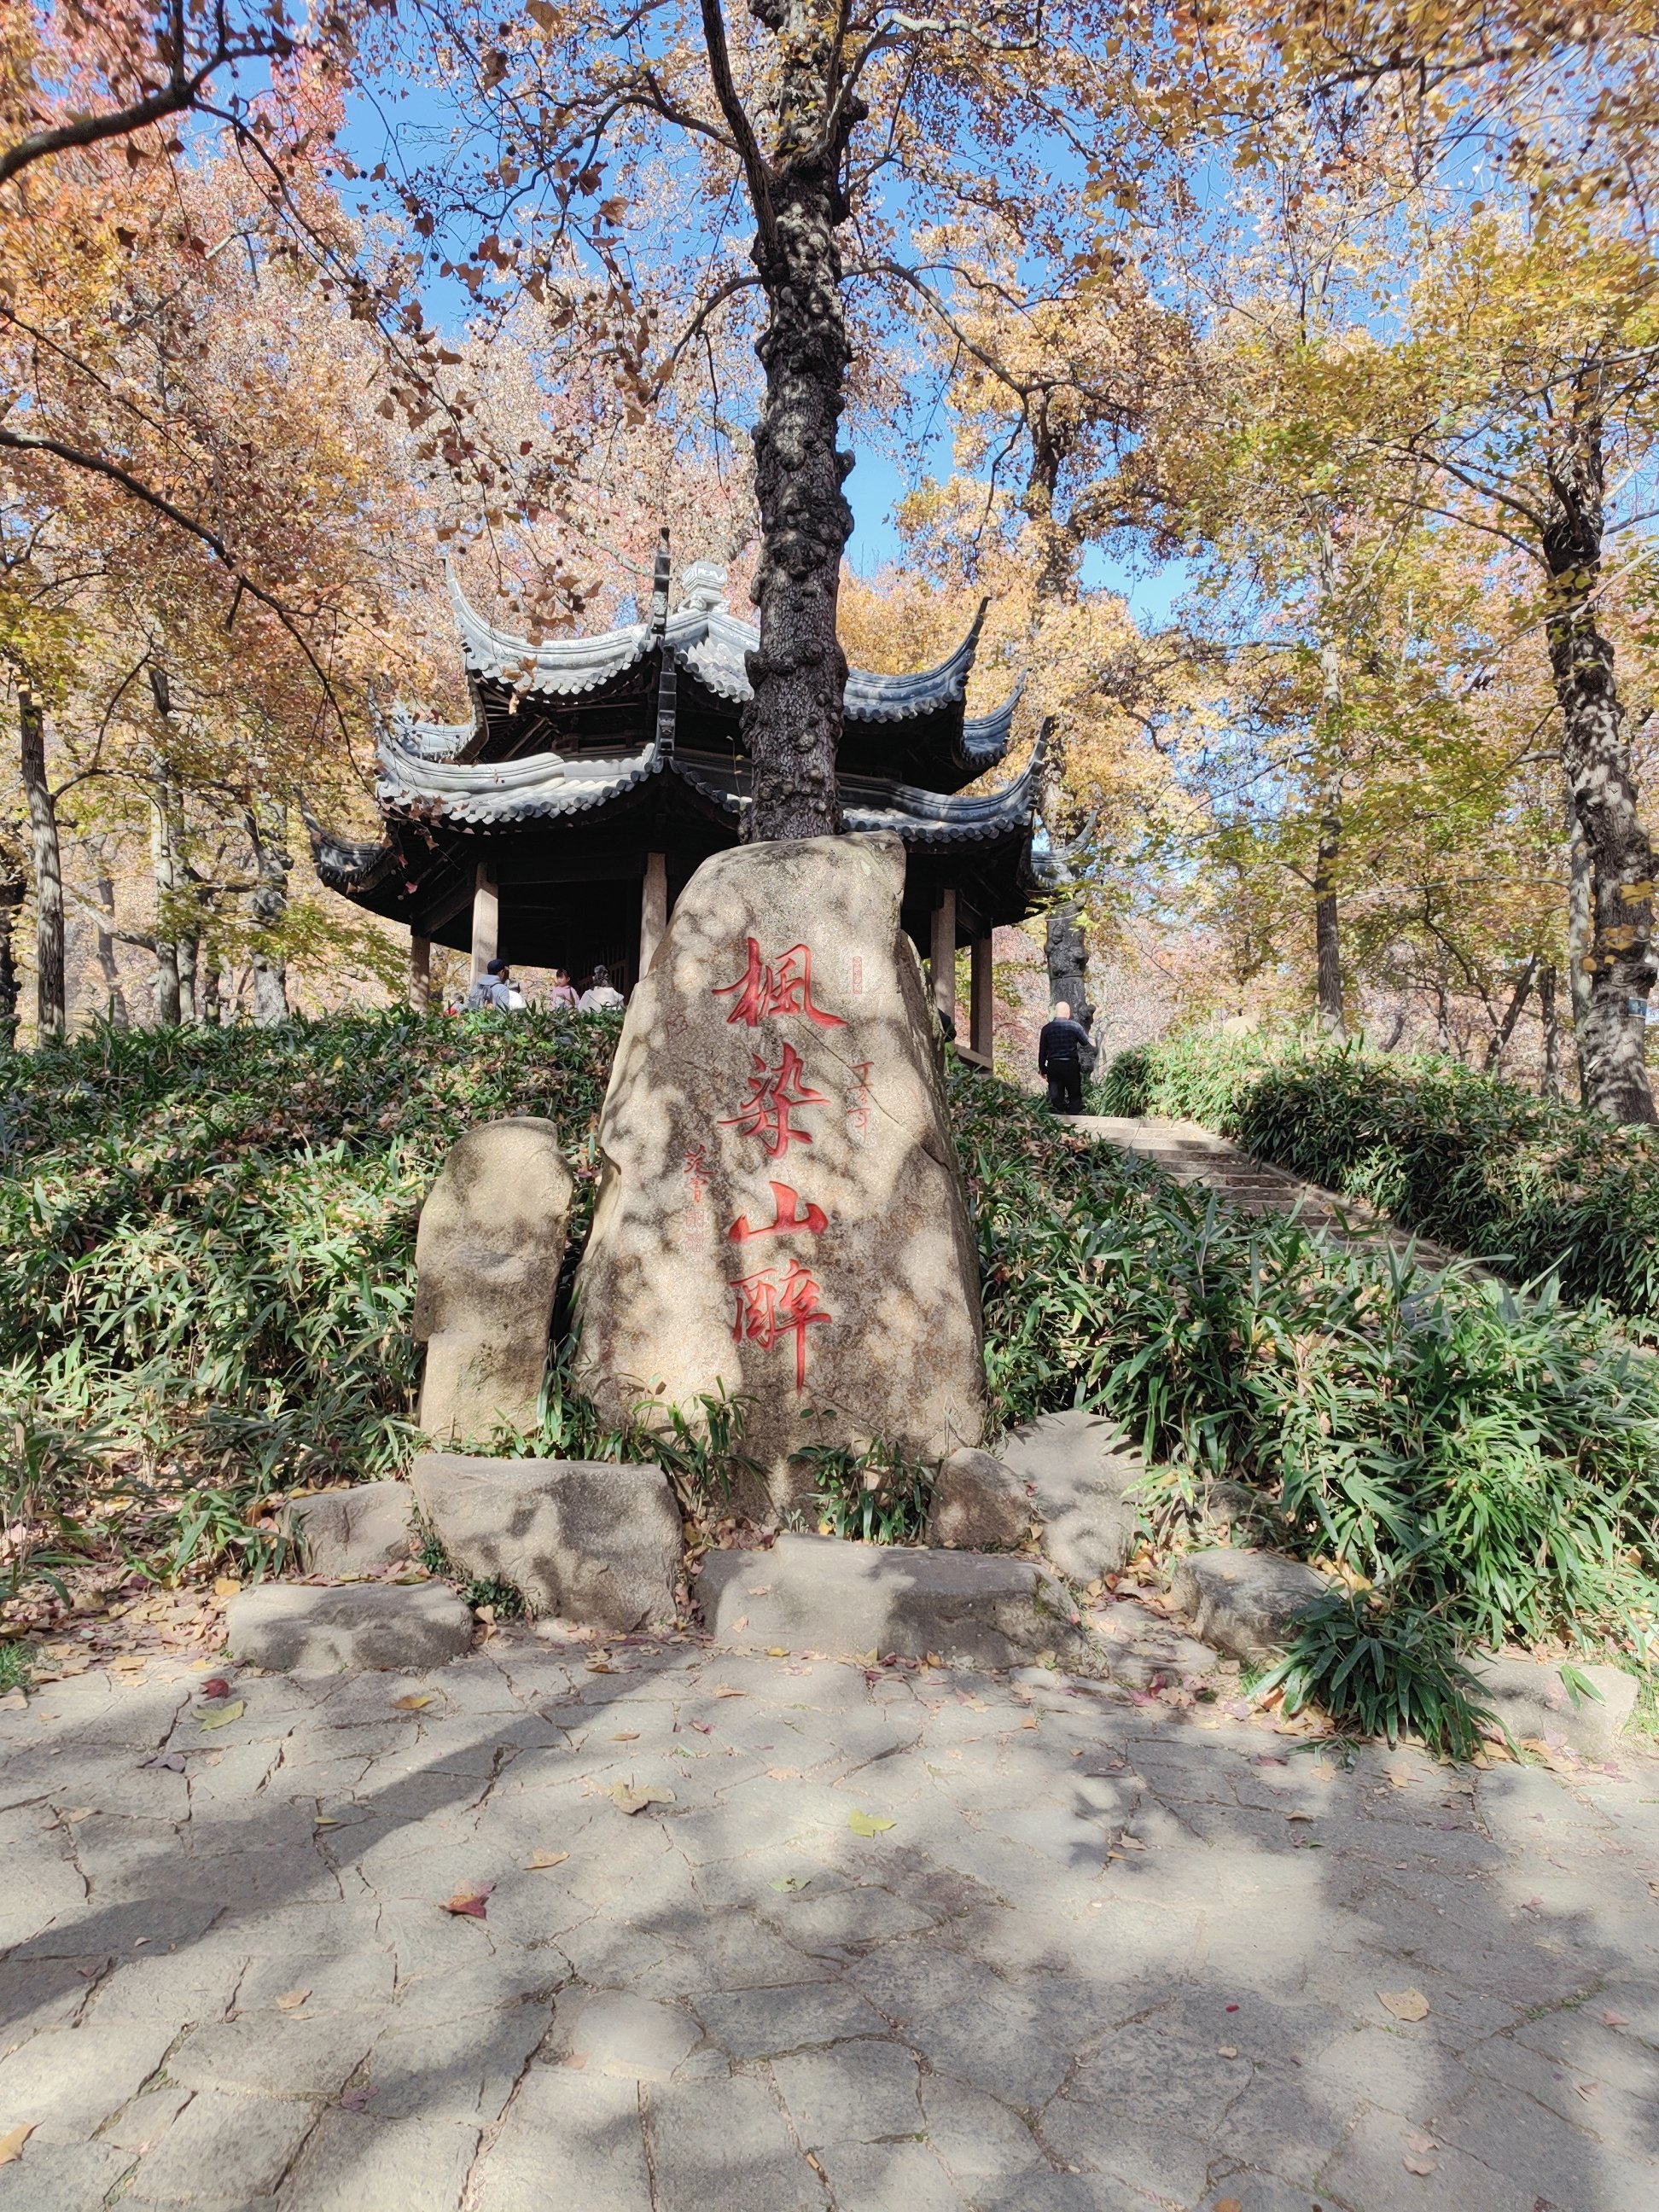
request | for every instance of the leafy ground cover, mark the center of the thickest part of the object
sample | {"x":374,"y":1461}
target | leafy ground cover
{"x":1524,"y":1183}
{"x":206,"y":1271}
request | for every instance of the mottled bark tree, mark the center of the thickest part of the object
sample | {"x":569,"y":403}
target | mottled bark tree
{"x":267,"y":831}
{"x":14,"y":889}
{"x":1601,"y":785}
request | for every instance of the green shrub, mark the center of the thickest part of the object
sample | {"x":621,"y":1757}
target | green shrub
{"x":1381,"y":1669}
{"x":1529,"y":1186}
{"x":1493,"y":1460}
{"x":207,"y":1246}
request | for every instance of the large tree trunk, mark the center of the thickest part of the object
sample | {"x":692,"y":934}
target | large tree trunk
{"x":1580,"y":938}
{"x":267,"y":830}
{"x":14,"y":888}
{"x":1067,"y":948}
{"x":792,"y":727}
{"x":1596,"y":757}
{"x":51,"y":1009}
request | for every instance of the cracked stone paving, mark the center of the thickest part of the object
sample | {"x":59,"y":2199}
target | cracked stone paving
{"x":881,"y":1939}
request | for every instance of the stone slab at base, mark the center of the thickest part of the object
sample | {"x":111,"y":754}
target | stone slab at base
{"x":347,"y":1532}
{"x":1244,"y":1603}
{"x":1077,"y":1467}
{"x":1530,"y":1698}
{"x":296,"y":1628}
{"x":591,"y":1541}
{"x":820,"y":1593}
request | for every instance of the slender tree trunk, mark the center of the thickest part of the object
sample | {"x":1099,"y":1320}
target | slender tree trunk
{"x":1328,"y":943}
{"x":189,"y":954}
{"x":1596,"y":755}
{"x":164,"y":865}
{"x":1442,"y":1017}
{"x":51,"y":1009}
{"x":1505,"y":1029}
{"x":1549,"y":1014}
{"x":14,"y":889}
{"x":115,"y":1000}
{"x":208,"y":1005}
{"x":267,"y":830}
{"x":792,"y":727}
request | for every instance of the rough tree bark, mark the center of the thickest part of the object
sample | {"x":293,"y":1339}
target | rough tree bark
{"x":164,"y":867}
{"x":1596,"y":757}
{"x":1498,"y":1043}
{"x":791,"y":726}
{"x":267,"y":830}
{"x":51,"y":1007}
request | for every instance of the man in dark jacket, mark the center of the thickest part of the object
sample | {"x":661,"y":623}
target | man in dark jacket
{"x":1060,"y":1051}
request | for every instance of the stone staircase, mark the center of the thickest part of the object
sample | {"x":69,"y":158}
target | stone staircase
{"x":1194,"y":1155}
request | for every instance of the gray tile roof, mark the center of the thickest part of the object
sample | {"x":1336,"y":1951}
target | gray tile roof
{"x":711,"y":643}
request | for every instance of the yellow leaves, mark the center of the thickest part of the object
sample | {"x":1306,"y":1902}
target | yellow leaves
{"x":627,"y":1799}
{"x":225,"y":1714}
{"x":1405,"y":2004}
{"x":868,"y":1823}
{"x":11,"y":2143}
{"x":538,"y":1861}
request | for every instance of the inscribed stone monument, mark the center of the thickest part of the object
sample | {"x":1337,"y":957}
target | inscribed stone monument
{"x":780,"y":1213}
{"x":487,"y":1259}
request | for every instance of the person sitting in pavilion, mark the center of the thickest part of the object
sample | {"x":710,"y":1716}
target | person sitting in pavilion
{"x":562,"y":997}
{"x":599,"y":998}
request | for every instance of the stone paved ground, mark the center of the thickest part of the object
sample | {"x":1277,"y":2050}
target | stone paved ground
{"x":1194,"y":1154}
{"x":1106,"y":1955}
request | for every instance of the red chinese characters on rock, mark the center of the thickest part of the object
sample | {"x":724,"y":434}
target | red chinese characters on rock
{"x":775,"y":1093}
{"x":769,"y":1309}
{"x":697,"y":1227}
{"x":788,"y":1211}
{"x":858,"y":1103}
{"x":775,"y":986}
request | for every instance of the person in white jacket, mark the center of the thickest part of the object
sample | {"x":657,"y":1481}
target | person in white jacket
{"x":599,"y":998}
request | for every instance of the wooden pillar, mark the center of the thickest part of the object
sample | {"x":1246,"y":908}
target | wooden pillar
{"x":486,"y":919}
{"x":420,"y":973}
{"x":943,"y":961}
{"x":981,"y":1026}
{"x":654,"y":909}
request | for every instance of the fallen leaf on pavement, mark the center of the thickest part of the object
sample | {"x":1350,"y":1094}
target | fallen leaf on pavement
{"x":1587,"y":2089}
{"x":355,"y":2101}
{"x":725,"y":1690}
{"x":706,"y":1728}
{"x":537,"y":1860}
{"x":868,"y":1824}
{"x":742,"y":1621}
{"x":1418,"y":2165}
{"x":412,"y":1704}
{"x":777,"y":1651}
{"x":1615,"y":2019}
{"x":79,"y":1812}
{"x":1028,"y":1722}
{"x":469,"y":1904}
{"x":1421,"y":2144}
{"x":227,"y":1586}
{"x":218,"y":1687}
{"x":1226,"y":2050}
{"x":1400,"y":1777}
{"x":626,"y":1736}
{"x":1227,"y":2204}
{"x":1404,"y":2004}
{"x":783,"y":1773}
{"x":1299,"y":1816}
{"x":599,"y":1664}
{"x":128,"y":1661}
{"x":11,"y":2143}
{"x":630,"y":1800}
{"x":226,"y":1714}
{"x":291,"y":2000}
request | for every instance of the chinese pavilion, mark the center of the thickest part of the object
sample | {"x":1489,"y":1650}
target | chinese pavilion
{"x":558,"y":826}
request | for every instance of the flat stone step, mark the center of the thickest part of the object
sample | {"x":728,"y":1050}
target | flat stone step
{"x":819,"y":1594}
{"x":300,"y":1628}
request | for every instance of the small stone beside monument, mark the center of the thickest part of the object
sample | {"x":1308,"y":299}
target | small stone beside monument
{"x":487,"y":1259}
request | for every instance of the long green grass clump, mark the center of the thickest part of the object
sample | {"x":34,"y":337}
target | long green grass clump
{"x":1526,"y":1184}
